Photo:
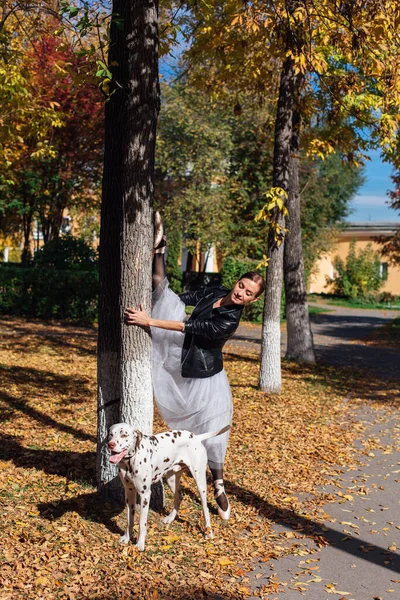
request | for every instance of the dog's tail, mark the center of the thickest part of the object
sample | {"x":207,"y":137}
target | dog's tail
{"x":206,"y":436}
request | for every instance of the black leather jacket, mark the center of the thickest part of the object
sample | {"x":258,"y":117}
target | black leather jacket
{"x":206,"y":331}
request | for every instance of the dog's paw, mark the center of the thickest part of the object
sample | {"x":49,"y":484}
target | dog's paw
{"x":170,"y":518}
{"x":124,"y":539}
{"x":140,"y":545}
{"x":208,"y":534}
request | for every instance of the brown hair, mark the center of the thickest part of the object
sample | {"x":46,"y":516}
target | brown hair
{"x":257,"y":278}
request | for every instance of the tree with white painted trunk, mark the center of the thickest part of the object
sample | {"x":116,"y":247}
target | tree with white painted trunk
{"x":126,"y":239}
{"x":270,"y":378}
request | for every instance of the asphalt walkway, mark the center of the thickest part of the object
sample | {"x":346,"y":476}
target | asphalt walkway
{"x":341,"y":337}
{"x":358,"y":554}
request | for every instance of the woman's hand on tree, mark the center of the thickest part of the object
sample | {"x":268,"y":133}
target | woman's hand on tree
{"x":137,"y":317}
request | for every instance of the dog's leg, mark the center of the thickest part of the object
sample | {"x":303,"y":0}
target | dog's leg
{"x":198,"y":466}
{"x":144,"y":510}
{"x":130,"y":501}
{"x":174,"y":481}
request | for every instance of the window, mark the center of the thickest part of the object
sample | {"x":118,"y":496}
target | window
{"x":383,"y":270}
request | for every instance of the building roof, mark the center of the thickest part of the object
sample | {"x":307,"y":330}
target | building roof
{"x":370,"y":228}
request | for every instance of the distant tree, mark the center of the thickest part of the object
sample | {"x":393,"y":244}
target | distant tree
{"x":44,"y":176}
{"x":192,"y":161}
{"x":327,"y":188}
{"x":250,"y":176}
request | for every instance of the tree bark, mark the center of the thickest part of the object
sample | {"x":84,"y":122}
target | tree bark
{"x":300,"y":346}
{"x":124,"y":353}
{"x":27,"y":219}
{"x":270,"y":379}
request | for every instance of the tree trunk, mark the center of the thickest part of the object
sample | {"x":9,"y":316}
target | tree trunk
{"x":124,"y":353}
{"x":26,"y":255}
{"x":300,"y":346}
{"x":270,"y":379}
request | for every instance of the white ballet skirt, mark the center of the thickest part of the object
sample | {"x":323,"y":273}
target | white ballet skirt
{"x":197,"y":405}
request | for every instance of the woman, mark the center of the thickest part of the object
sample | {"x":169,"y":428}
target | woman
{"x":190,"y":385}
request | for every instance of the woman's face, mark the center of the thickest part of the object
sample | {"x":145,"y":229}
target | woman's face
{"x":245,"y":292}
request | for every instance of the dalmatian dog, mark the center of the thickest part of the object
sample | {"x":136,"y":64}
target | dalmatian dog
{"x":142,"y":460}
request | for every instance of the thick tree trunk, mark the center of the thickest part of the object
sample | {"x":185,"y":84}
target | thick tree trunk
{"x":124,"y":361}
{"x":270,"y":371}
{"x":300,"y":346}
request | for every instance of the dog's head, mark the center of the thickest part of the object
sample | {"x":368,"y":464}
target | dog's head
{"x":122,"y":440}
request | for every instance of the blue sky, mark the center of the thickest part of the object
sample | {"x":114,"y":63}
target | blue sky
{"x":370,"y":204}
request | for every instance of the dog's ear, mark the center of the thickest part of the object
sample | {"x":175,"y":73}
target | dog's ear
{"x":139,"y":436}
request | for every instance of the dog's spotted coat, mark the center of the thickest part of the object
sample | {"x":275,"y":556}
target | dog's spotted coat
{"x":143,"y":460}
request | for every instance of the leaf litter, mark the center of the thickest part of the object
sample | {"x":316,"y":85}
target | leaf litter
{"x":61,"y":538}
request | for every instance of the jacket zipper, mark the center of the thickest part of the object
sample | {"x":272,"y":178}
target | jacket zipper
{"x":203,"y":359}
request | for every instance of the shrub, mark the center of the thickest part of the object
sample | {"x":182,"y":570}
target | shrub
{"x":66,"y":252}
{"x":388,"y":298}
{"x":62,"y":283}
{"x":359,"y":277}
{"x":48,"y":293}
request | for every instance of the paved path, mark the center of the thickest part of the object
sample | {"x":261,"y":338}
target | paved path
{"x":361,"y":560}
{"x":340,"y":338}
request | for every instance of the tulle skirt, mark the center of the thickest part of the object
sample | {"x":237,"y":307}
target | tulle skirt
{"x":197,"y":405}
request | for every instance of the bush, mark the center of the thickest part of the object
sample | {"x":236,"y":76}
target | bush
{"x":360,"y":277}
{"x":232,"y":270}
{"x":66,"y":252}
{"x":62,"y":283}
{"x":49,"y":293}
{"x":388,"y":298}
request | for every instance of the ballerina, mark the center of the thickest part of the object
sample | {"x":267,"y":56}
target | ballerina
{"x":191,"y":388}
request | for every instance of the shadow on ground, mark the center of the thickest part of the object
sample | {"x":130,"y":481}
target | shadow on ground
{"x":54,"y":336}
{"x":349,"y":381}
{"x":92,"y":507}
{"x":340,"y":340}
{"x":16,"y":404}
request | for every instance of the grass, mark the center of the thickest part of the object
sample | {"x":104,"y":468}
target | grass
{"x":315,"y":310}
{"x":349,"y":303}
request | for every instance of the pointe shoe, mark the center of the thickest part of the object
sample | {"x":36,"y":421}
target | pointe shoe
{"x":158,"y":230}
{"x":162,"y":246}
{"x":219,"y":490}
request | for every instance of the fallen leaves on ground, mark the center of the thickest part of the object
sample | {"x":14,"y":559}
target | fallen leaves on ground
{"x":61,"y":538}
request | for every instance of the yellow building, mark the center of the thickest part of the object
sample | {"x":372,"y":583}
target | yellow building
{"x":363,"y":233}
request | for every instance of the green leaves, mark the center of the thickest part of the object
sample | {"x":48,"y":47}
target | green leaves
{"x":103,"y":70}
{"x":192,"y":161}
{"x":68,"y":9}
